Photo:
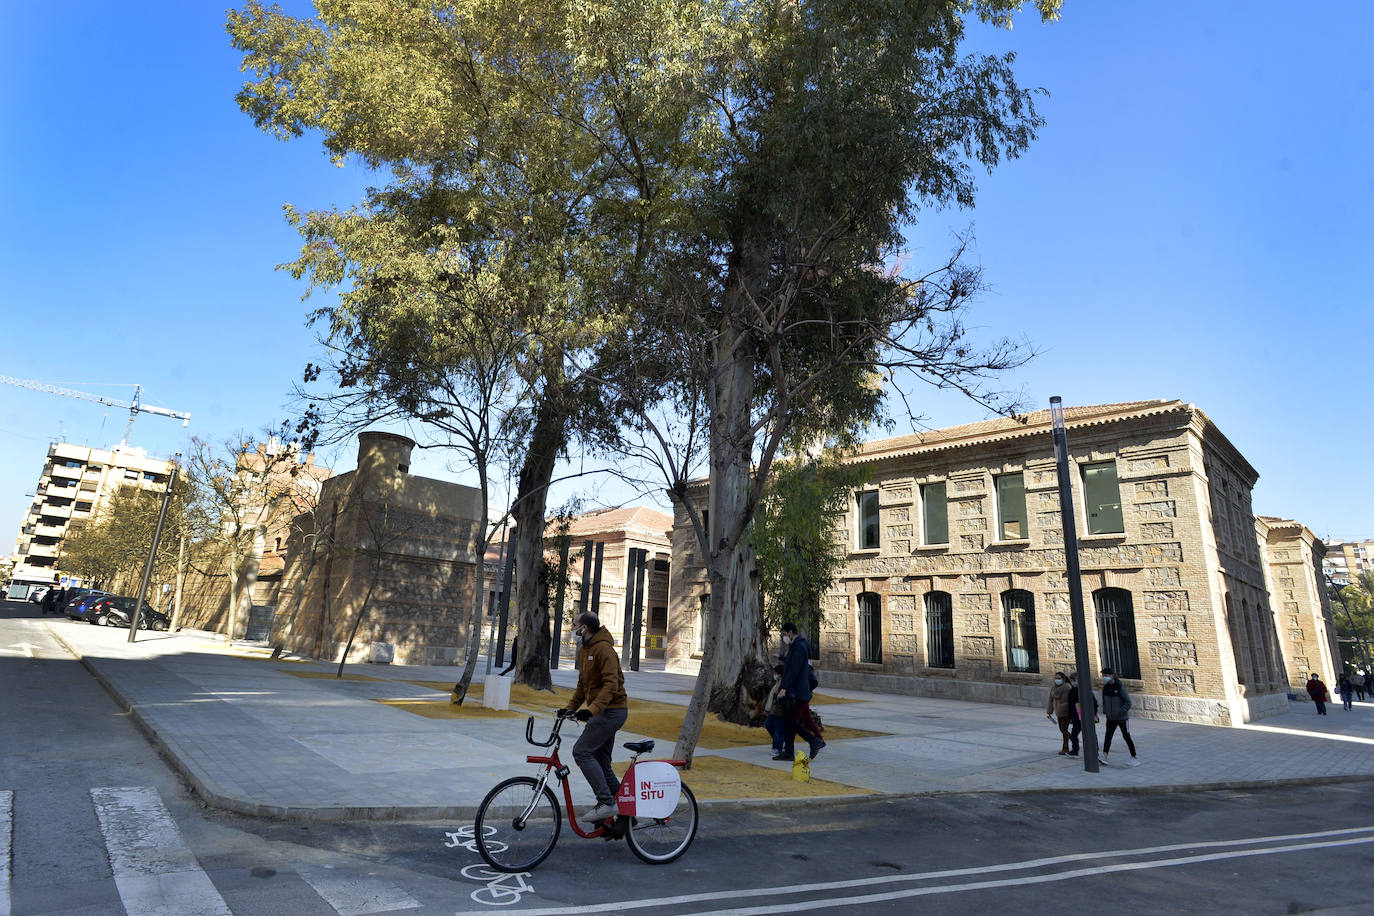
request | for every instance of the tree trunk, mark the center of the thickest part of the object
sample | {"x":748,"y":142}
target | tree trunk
{"x":732,"y":618}
{"x":479,"y":590}
{"x":530,"y":589}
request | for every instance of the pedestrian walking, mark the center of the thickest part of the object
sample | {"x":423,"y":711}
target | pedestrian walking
{"x":48,"y":598}
{"x":1116,"y":706}
{"x":1317,"y":691}
{"x":775,"y":718}
{"x":1075,"y":714}
{"x":1368,"y":682}
{"x":59,"y":600}
{"x":1057,"y":710}
{"x":795,"y":691}
{"x":1345,"y":690}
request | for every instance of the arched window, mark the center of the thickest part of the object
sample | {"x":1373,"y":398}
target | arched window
{"x":1116,"y":631}
{"x":1018,"y":621}
{"x":939,"y":630}
{"x":870,"y":628}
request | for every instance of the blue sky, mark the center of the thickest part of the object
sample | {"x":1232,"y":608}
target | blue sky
{"x":1194,"y":222}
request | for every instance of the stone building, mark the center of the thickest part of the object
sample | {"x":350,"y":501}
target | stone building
{"x":621,"y":530}
{"x":955,"y":582}
{"x":1302,"y":609}
{"x":386,"y":548}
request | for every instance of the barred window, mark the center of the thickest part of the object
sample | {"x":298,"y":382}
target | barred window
{"x":1018,"y":619}
{"x":870,"y":628}
{"x":703,"y":606}
{"x":939,"y":630}
{"x":1116,"y":631}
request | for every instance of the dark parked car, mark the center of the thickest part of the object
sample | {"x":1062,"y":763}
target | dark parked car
{"x":116,"y":610}
{"x":79,"y":604}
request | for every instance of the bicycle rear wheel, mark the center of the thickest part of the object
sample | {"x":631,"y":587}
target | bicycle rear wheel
{"x":517,"y":825}
{"x":659,"y":840}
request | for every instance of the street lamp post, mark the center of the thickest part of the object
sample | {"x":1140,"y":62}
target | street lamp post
{"x":152,"y":550}
{"x":1075,"y":578}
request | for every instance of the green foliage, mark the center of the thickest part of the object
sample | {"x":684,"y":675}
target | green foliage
{"x":1352,"y":612}
{"x":798,"y":550}
{"x":111,"y":549}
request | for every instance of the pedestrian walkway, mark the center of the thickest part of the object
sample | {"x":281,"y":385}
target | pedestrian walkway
{"x":283,"y":738}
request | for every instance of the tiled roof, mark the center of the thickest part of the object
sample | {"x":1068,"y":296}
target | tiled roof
{"x":640,"y":518}
{"x":1010,"y":427}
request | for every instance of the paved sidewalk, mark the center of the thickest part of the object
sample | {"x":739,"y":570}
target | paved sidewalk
{"x":254,"y":739}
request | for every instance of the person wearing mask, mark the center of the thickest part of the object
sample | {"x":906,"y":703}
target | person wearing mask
{"x":1057,"y":709}
{"x":1075,"y":714}
{"x":601,"y":685}
{"x":1345,"y":690}
{"x":795,"y":690}
{"x":1116,"y":706}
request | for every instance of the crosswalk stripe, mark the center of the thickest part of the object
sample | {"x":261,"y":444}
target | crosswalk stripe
{"x":6,"y":841}
{"x":350,"y":896}
{"x":154,"y":870}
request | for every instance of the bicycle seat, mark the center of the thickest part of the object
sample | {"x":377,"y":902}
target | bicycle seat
{"x":640,"y":747}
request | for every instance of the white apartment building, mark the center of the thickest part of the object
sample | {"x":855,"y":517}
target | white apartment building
{"x":74,"y":484}
{"x":1345,"y":560}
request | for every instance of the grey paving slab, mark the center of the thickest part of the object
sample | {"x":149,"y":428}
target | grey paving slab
{"x":252,"y":737}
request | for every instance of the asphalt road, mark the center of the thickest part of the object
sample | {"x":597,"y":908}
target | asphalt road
{"x":101,"y":825}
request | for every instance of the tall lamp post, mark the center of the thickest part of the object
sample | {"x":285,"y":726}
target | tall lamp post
{"x":1080,"y":625}
{"x":152,"y":549}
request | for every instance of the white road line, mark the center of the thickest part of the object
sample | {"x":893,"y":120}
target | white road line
{"x":6,"y":843}
{"x":355,"y":896}
{"x":154,"y":870}
{"x":1024,"y":865}
{"x":1055,"y":876}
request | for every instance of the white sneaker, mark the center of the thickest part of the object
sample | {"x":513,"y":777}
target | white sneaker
{"x":1102,"y":759}
{"x":600,"y":812}
{"x":1133,"y":762}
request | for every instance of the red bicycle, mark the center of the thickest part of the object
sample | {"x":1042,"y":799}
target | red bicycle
{"x":518,"y":822}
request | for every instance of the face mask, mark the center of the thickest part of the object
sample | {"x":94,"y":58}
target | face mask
{"x":787,"y":640}
{"x":1106,"y":678}
{"x":1058,"y":681}
{"x":577,"y":638}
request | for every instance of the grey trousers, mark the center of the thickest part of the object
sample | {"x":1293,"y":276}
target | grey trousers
{"x":593,"y":752}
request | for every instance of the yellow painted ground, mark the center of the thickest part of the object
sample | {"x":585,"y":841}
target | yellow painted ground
{"x":817,"y":699}
{"x":721,"y":777}
{"x":330,"y":675}
{"x":443,"y":709}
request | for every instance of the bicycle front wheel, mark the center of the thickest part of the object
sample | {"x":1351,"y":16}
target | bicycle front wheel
{"x":659,"y":840}
{"x":517,"y":825}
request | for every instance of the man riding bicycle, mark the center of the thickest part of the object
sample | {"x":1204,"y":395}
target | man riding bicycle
{"x":601,"y":684}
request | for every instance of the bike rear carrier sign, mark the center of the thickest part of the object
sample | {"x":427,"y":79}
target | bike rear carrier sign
{"x":649,"y":789}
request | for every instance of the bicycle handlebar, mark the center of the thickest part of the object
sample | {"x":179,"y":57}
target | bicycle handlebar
{"x":553,"y":733}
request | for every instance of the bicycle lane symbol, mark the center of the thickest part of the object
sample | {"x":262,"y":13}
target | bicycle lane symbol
{"x":502,"y":889}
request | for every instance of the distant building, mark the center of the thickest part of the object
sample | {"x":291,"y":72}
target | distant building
{"x":74,"y":485}
{"x":1345,"y":560}
{"x":955,"y":583}
{"x":387,"y":548}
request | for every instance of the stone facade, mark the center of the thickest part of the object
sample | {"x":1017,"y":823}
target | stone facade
{"x":1302,"y":609}
{"x":395,"y":548}
{"x":980,"y":609}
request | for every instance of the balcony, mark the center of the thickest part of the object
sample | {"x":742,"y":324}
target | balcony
{"x":42,"y":550}
{"x":50,"y":531}
{"x":58,"y":511}
{"x":65,"y":472}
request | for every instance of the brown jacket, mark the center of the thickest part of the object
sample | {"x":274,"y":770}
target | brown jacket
{"x":600,"y":683}
{"x":1058,"y":703}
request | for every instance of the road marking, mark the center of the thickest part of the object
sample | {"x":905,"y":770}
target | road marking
{"x":6,"y":841}
{"x":154,"y":870}
{"x":26,"y":647}
{"x":351,"y":896}
{"x":1346,"y":838}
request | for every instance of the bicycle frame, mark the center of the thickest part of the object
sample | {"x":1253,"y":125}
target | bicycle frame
{"x":551,"y":764}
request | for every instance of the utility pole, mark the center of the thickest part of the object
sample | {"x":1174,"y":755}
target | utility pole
{"x":1075,"y":578}
{"x":152,"y":549}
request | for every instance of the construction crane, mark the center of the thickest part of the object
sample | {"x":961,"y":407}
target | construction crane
{"x":134,"y":407}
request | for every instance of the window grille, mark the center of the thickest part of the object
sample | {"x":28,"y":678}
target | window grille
{"x":1116,"y":631}
{"x":870,"y":629}
{"x":939,"y":630}
{"x":1018,"y":620}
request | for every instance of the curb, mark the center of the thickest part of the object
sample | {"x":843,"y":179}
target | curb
{"x":208,"y":791}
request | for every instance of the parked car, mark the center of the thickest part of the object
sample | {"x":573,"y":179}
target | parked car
{"x":78,"y":604}
{"x":116,"y":610}
{"x":37,"y":592}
